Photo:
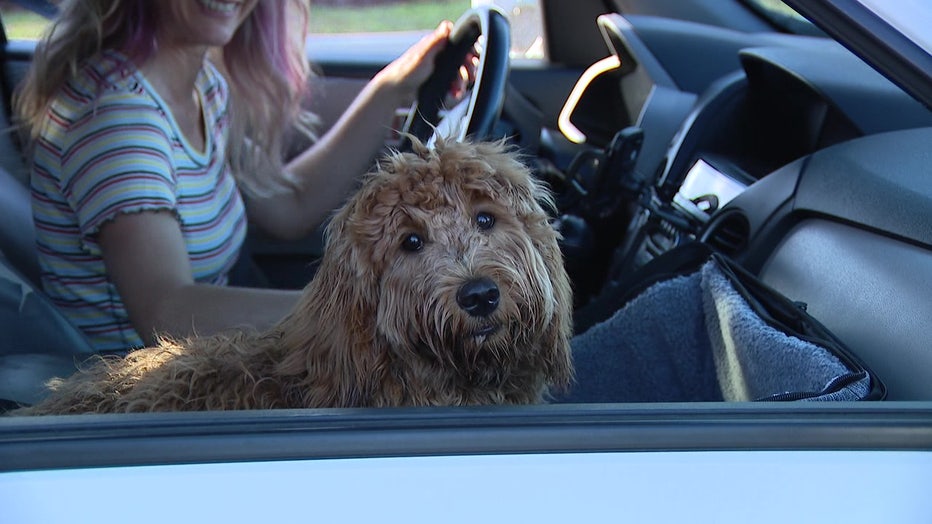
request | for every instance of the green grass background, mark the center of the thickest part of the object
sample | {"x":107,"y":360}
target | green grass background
{"x":22,"y":24}
{"x":399,"y":16}
{"x":402,"y":16}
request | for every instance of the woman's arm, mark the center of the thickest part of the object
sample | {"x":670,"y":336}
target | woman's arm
{"x":145,"y":253}
{"x":147,"y":260}
{"x":321,"y":177}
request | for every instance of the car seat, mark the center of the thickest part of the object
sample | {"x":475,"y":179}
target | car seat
{"x":37,"y":342}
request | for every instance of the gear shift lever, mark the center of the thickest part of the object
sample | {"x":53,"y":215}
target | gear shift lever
{"x":613,"y":177}
{"x":617,"y":169}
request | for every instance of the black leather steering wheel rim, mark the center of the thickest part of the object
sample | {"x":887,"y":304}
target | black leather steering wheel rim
{"x":488,"y":93}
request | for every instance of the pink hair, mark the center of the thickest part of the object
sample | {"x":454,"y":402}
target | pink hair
{"x":135,"y":28}
{"x":268,"y":73}
{"x":264,"y":62}
{"x":267,"y":36}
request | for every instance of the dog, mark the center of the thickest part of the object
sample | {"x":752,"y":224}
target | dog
{"x":441,"y":284}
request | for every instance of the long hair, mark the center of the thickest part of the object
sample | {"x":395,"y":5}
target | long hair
{"x":264,"y":64}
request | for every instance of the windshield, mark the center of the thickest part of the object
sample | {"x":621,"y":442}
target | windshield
{"x":912,"y":18}
{"x":784,"y":17}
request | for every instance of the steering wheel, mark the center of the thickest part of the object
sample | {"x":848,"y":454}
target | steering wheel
{"x":476,"y":114}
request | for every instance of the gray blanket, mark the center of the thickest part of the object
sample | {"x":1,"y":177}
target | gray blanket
{"x":695,"y":338}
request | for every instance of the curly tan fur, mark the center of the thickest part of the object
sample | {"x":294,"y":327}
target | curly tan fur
{"x":379,"y":325}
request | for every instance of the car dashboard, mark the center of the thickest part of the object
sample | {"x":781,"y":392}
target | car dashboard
{"x":799,"y":161}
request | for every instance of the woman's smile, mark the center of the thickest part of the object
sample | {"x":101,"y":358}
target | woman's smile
{"x":220,"y":6}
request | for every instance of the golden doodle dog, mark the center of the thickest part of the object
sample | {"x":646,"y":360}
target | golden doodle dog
{"x":441,"y":284}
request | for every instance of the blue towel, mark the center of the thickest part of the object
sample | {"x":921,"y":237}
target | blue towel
{"x":695,"y":338}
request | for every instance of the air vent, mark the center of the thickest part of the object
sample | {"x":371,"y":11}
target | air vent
{"x":728,"y":233}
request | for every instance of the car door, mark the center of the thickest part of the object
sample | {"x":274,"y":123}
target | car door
{"x":656,"y":462}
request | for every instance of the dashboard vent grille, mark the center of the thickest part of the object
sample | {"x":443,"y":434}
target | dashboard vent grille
{"x":728,"y":233}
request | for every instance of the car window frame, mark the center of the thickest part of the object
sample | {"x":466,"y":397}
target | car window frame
{"x":874,"y":40}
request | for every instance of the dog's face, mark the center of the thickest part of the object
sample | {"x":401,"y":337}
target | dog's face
{"x":459,"y":259}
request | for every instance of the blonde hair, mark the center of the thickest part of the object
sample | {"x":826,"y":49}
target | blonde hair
{"x":264,"y":64}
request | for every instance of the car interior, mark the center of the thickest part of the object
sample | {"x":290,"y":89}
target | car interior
{"x":656,"y":126}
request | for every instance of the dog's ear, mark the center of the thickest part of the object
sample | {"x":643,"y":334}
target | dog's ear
{"x":533,"y":202}
{"x":560,"y":329}
{"x":331,"y":333}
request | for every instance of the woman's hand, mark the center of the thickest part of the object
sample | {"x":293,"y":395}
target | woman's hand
{"x":324,"y":174}
{"x":465,"y":80}
{"x":411,"y":69}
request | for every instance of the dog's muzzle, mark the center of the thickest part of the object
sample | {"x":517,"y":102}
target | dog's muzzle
{"x":478,"y":297}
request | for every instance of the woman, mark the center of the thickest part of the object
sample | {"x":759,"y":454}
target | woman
{"x":145,"y":159}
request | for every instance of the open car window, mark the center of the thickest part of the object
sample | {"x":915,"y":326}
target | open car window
{"x":737,"y":125}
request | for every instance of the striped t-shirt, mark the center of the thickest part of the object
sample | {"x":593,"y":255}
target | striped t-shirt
{"x":110,"y":145}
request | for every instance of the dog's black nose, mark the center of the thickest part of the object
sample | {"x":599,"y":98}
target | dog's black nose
{"x":478,"y":297}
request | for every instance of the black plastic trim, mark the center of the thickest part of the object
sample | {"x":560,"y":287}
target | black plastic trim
{"x":182,"y":438}
{"x":871,"y":38}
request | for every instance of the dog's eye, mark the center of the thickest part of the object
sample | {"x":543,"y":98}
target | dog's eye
{"x":412,"y":242}
{"x":485,"y":221}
